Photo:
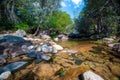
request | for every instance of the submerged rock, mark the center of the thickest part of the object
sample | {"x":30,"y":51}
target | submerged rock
{"x":89,"y":75}
{"x":13,"y":66}
{"x":46,"y":71}
{"x":70,"y":51}
{"x":20,"y":33}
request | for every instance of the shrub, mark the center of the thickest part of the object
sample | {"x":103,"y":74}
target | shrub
{"x":22,"y":26}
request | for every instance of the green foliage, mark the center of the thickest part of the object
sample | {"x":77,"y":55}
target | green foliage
{"x":6,"y":24}
{"x":22,"y":26}
{"x":61,"y":72}
{"x":99,"y":18}
{"x":59,"y":20}
{"x":39,"y":13}
{"x":53,"y":36}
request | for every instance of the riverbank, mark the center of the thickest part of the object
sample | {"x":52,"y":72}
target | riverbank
{"x":69,"y":63}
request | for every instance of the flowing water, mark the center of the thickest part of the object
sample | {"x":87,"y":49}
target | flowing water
{"x":94,"y":56}
{"x":76,"y":58}
{"x":81,"y":46}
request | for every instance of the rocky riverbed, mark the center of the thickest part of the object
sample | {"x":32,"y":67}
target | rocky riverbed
{"x":34,"y":58}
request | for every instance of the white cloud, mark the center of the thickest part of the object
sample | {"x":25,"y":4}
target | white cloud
{"x":63,"y":4}
{"x":77,"y":1}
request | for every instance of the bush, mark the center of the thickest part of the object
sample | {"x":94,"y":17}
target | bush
{"x":6,"y":25}
{"x":22,"y":26}
{"x":53,"y":36}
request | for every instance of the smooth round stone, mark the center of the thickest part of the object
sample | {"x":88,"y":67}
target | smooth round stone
{"x":46,"y":48}
{"x":45,"y":57}
{"x":55,"y":51}
{"x":31,"y":47}
{"x":57,"y":47}
{"x":39,"y":48}
{"x":20,"y":33}
{"x":5,"y":75}
{"x":32,"y":54}
{"x":89,"y":75}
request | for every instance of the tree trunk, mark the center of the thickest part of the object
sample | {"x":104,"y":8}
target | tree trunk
{"x":9,"y":11}
{"x":37,"y":30}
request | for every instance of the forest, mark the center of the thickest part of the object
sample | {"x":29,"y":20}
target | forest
{"x":101,"y":17}
{"x":59,"y":39}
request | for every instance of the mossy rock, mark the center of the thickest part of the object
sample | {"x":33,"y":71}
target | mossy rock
{"x":61,"y":72}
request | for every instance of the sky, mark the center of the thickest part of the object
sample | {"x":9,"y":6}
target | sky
{"x":72,"y":7}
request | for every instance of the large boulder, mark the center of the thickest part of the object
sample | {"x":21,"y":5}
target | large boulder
{"x":20,"y":33}
{"x":57,"y":47}
{"x":108,"y":40}
{"x":46,"y":71}
{"x":116,"y":49}
{"x":62,"y":37}
{"x":14,"y":51}
{"x":44,"y":36}
{"x":13,"y":66}
{"x":10,"y":38}
{"x":89,"y":75}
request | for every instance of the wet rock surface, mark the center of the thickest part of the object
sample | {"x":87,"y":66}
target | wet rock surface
{"x":115,"y":49}
{"x":33,"y":58}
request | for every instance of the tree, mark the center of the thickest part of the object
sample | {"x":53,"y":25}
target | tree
{"x":32,"y":12}
{"x":100,"y":17}
{"x":38,"y":10}
{"x":59,"y":21}
{"x":8,"y":10}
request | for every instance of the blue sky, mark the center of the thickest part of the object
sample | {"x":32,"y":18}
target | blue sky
{"x":72,"y":7}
